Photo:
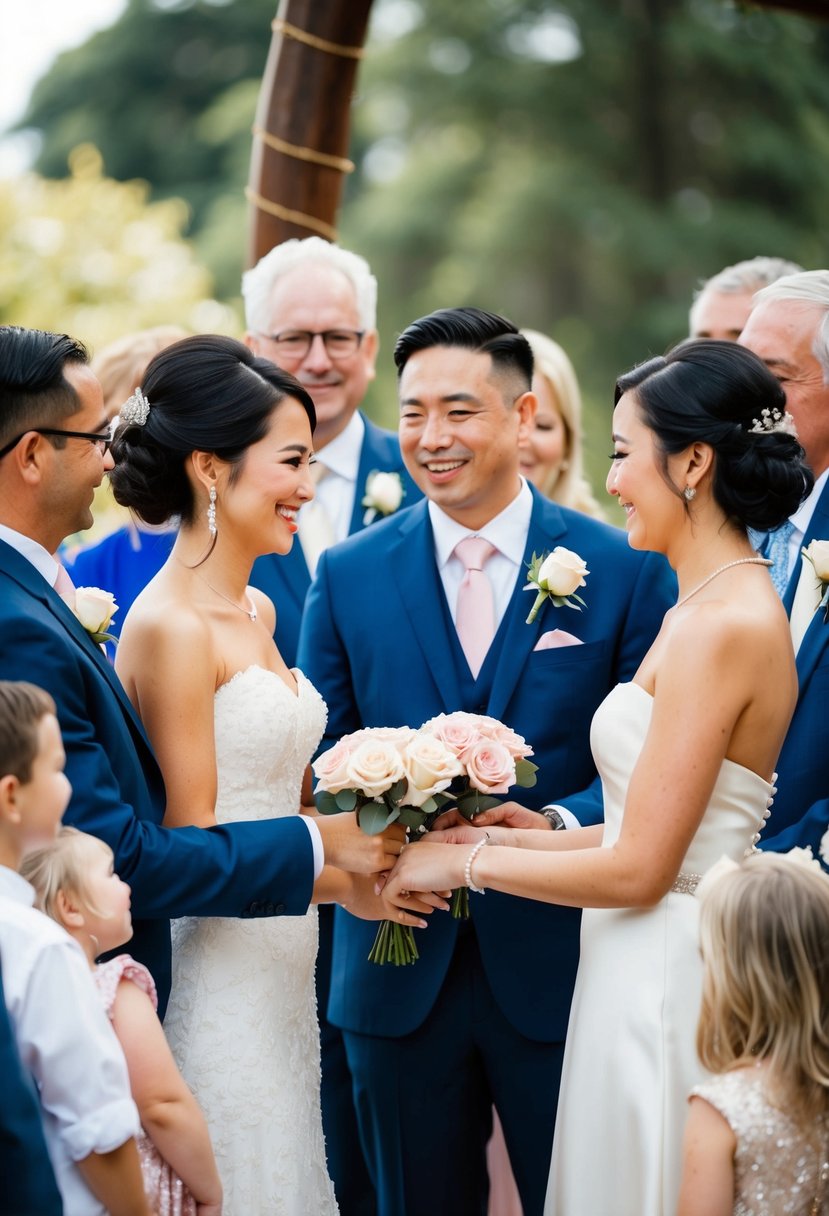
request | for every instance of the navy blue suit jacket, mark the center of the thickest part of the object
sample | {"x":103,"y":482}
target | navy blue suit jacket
{"x":285,"y":579}
{"x":245,"y":869}
{"x":800,"y":813}
{"x":374,"y":641}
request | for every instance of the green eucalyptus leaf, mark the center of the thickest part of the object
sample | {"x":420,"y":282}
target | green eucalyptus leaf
{"x":326,"y":803}
{"x":525,"y":772}
{"x":346,"y":800}
{"x":374,"y":817}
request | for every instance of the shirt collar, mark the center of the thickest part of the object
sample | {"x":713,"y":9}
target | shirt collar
{"x":16,"y":888}
{"x":342,"y":454}
{"x":507,"y":531}
{"x":42,"y":561}
{"x":803,"y":515}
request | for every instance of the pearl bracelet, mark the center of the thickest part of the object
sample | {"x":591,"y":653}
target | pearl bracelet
{"x":467,"y":869}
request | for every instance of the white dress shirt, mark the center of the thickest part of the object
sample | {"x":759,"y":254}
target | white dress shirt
{"x":508,"y":533}
{"x":801,"y":520}
{"x":65,"y":1041}
{"x":46,"y":565}
{"x":338,"y":489}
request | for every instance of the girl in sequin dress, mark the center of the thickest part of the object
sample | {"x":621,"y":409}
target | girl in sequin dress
{"x":77,"y":887}
{"x":757,"y":1139}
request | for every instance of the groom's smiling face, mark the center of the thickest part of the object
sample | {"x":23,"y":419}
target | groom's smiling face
{"x":460,"y":426}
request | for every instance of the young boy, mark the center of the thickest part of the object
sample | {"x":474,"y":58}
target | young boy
{"x":63,"y":1037}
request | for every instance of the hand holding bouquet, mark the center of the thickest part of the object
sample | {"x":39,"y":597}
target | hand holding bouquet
{"x":389,"y":775}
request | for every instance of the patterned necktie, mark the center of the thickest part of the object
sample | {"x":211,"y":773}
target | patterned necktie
{"x":777,"y":550}
{"x":475,"y":615}
{"x":64,"y":585}
{"x":316,"y":531}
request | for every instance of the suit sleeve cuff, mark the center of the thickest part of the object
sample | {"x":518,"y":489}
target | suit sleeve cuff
{"x":316,"y":842}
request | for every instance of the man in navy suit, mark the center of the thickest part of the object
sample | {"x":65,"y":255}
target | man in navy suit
{"x":54,"y":450}
{"x":311,"y":307}
{"x":789,"y":329}
{"x":481,"y":1017}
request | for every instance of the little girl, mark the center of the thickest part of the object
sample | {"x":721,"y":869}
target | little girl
{"x":757,"y":1138}
{"x":77,"y":887}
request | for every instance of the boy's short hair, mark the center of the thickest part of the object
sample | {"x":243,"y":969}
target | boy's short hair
{"x":22,"y":708}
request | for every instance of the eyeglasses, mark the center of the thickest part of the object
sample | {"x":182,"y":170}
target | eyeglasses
{"x":295,"y":343}
{"x":101,"y":441}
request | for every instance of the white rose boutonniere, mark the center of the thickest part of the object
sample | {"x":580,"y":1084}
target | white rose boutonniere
{"x":556,"y":576}
{"x":95,"y":609}
{"x":818,"y":554}
{"x":383,"y":496}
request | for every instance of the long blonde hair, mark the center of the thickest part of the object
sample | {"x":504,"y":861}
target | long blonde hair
{"x":62,"y":866}
{"x":567,"y":485}
{"x":764,"y":932}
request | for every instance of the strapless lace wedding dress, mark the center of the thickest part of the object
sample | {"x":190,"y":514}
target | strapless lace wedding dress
{"x":242,"y":1019}
{"x":630,"y":1061}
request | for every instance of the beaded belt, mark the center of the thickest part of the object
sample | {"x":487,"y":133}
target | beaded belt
{"x":686,"y":884}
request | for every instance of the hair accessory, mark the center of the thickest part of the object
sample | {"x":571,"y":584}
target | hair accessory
{"x":136,"y":409}
{"x":773,"y":422}
{"x":211,"y":512}
{"x":688,"y":493}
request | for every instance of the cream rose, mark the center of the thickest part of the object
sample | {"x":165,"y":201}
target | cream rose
{"x":384,"y":492}
{"x":331,"y":768}
{"x":490,"y":767}
{"x":430,"y":766}
{"x":374,"y":766}
{"x":94,"y":608}
{"x":562,"y":572}
{"x":818,"y":554}
{"x":515,"y":744}
{"x":398,"y":735}
{"x":459,"y":731}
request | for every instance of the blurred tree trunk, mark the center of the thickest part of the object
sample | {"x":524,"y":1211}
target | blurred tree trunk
{"x":303,"y":121}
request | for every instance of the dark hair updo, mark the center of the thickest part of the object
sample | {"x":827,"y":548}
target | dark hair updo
{"x":715,"y":392}
{"x":206,"y":394}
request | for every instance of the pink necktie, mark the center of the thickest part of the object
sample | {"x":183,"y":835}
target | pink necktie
{"x":475,"y":615}
{"x":64,"y":585}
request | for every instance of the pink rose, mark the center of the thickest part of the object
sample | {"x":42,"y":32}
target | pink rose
{"x":515,"y":744}
{"x":331,"y":768}
{"x":459,"y":731}
{"x":490,"y":767}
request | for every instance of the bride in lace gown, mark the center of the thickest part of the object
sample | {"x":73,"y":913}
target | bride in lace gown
{"x":686,"y":754}
{"x":223,"y":440}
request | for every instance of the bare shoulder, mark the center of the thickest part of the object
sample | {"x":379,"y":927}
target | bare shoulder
{"x":264,"y":607}
{"x":729,"y":629}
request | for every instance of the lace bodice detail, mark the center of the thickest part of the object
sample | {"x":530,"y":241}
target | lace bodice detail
{"x":777,"y":1164}
{"x":265,"y":735}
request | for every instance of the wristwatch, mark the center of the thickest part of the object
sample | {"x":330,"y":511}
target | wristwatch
{"x":554,"y":818}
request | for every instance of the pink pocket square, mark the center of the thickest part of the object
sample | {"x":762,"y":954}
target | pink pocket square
{"x":556,"y":637}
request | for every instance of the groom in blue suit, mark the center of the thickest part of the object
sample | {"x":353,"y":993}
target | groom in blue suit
{"x":54,"y":451}
{"x":788,"y":328}
{"x":481,"y":1018}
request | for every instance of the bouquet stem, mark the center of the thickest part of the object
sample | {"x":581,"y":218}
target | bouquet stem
{"x":460,"y":903}
{"x":394,"y":944}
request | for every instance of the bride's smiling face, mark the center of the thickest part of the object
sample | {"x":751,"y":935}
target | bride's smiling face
{"x":639,"y":478}
{"x":259,"y":498}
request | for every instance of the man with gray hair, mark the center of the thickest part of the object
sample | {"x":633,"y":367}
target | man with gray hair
{"x":310,"y":306}
{"x":722,"y":303}
{"x":789,"y":329}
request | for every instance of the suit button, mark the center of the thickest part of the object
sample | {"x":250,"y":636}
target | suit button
{"x":254,"y":908}
{"x":280,"y":908}
{"x":269,"y":909}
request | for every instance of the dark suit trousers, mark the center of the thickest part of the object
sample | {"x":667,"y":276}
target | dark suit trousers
{"x":424,"y":1100}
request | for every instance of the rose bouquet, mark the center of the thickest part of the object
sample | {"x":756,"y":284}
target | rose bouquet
{"x":389,"y":775}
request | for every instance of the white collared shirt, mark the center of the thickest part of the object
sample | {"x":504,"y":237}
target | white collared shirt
{"x":42,"y":561}
{"x":338,"y":489}
{"x":801,"y":520}
{"x":507,"y":532}
{"x":65,"y":1042}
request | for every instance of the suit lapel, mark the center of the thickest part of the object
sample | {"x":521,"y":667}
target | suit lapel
{"x":411,"y":560}
{"x":816,"y":636}
{"x":296,"y":577}
{"x":546,"y":529}
{"x":24,"y":573}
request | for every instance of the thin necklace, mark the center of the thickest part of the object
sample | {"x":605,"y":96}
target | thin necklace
{"x":741,"y":561}
{"x":250,"y":612}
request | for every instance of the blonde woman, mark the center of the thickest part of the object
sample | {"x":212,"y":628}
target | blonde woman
{"x":551,"y":458}
{"x":757,"y":1138}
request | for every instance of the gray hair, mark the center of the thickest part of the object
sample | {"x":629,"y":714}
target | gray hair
{"x":258,"y":283}
{"x":810,"y":287}
{"x":750,"y":275}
